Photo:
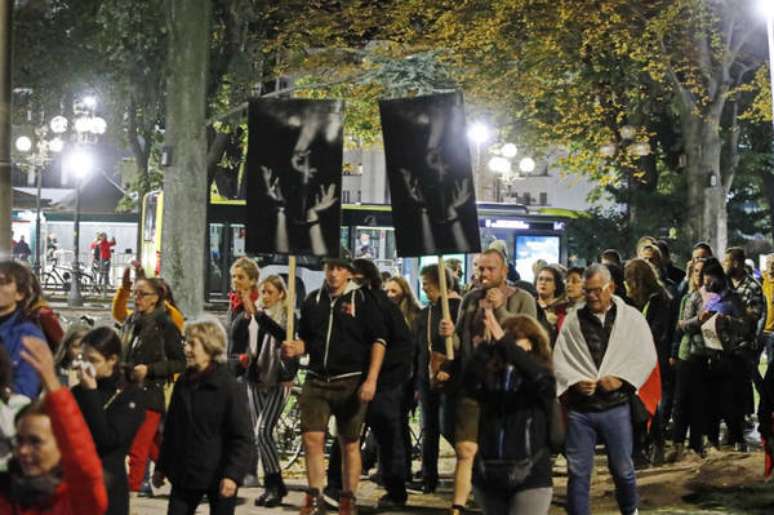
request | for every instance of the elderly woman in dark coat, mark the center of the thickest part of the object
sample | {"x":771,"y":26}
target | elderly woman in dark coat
{"x":207,"y":446}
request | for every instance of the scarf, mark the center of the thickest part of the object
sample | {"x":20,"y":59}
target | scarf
{"x":33,"y":492}
{"x":630,"y":355}
{"x":235,"y":299}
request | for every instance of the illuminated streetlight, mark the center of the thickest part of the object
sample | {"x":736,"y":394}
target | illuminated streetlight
{"x":98,"y":125}
{"x":23,"y":144}
{"x":56,"y":145}
{"x":628,"y":132}
{"x":527,"y":165}
{"x":500,"y":165}
{"x":478,"y":133}
{"x":58,"y":124}
{"x":509,"y":150}
{"x":79,"y":163}
{"x":90,"y":101}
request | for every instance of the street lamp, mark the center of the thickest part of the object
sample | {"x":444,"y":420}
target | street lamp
{"x":79,"y":163}
{"x":527,"y":165}
{"x":38,"y":161}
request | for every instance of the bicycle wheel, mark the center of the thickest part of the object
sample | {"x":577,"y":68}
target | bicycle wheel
{"x":51,"y":282}
{"x":287,"y":434}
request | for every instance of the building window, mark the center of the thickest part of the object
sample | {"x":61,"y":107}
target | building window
{"x":543,"y":198}
{"x":359,"y":196}
{"x":526,"y":199}
{"x":345,"y":196}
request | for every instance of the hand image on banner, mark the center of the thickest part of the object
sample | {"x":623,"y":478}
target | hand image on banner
{"x":294,"y":166}
{"x":431,"y":179}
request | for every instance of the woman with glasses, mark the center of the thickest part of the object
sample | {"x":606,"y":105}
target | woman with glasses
{"x":114,"y":410}
{"x":552,"y":305}
{"x":207,"y":446}
{"x":153,"y":353}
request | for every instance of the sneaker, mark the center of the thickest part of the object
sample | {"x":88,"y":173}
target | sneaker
{"x":331,"y":496}
{"x":387,"y":502}
{"x":313,"y":503}
{"x":347,"y":504}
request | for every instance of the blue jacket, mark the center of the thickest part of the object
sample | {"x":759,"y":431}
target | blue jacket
{"x":25,"y":379}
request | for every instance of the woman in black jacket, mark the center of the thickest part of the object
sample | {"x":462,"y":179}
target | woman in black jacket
{"x":153,"y":353}
{"x":207,"y":446}
{"x":512,"y":382}
{"x":655,"y":303}
{"x":114,"y":410}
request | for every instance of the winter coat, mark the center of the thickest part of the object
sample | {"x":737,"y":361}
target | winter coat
{"x":25,"y":380}
{"x":114,"y":412}
{"x":207,"y":434}
{"x":81,"y":490}
{"x":399,"y":355}
{"x":340,"y":332}
{"x":269,"y":333}
{"x":154,"y":341}
{"x":515,"y":415}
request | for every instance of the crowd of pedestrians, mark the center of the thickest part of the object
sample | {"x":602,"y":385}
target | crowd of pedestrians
{"x":629,"y":353}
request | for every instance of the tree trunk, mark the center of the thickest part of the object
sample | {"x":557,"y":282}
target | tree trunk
{"x":707,"y":214}
{"x":185,"y":193}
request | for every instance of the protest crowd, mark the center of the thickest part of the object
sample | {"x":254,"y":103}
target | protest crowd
{"x":629,"y":353}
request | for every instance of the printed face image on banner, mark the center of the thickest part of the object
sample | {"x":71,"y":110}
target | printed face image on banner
{"x":431,"y":179}
{"x":294,"y":164}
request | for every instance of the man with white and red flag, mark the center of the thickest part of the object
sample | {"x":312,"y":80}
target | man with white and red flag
{"x":604,"y":355}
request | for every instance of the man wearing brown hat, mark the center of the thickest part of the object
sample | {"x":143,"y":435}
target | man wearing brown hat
{"x":343,"y":332}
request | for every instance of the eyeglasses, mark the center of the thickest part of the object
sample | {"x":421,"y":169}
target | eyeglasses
{"x":594,"y":291}
{"x":142,"y":294}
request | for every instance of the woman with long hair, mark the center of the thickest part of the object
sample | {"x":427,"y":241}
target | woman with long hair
{"x":269,"y":380}
{"x":513,"y":382}
{"x":207,"y":445}
{"x":113,"y":407}
{"x":552,"y":306}
{"x":399,"y":291}
{"x":574,"y":287}
{"x":651,"y":298}
{"x":153,"y":353}
{"x":690,"y":358}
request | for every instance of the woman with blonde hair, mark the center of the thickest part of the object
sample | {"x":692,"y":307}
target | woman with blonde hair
{"x":207,"y":445}
{"x":399,"y":291}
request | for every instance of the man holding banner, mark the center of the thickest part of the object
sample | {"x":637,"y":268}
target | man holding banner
{"x":343,"y":332}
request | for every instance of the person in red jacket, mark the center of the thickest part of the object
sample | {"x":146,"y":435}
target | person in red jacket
{"x":103,"y":252}
{"x":55,"y":468}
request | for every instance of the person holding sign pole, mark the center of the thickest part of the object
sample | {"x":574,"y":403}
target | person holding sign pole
{"x":436,"y":405}
{"x":343,"y":332}
{"x":504,"y":301}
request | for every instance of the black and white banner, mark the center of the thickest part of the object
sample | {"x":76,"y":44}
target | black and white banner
{"x":294,"y":164}
{"x":431,"y":179}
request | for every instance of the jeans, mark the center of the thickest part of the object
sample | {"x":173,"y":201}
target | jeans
{"x":614,"y":427}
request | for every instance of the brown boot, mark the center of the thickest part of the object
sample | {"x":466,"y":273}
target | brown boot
{"x":347,"y":504}
{"x":313,"y":503}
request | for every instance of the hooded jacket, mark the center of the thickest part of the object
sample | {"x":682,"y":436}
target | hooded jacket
{"x":338,"y":332}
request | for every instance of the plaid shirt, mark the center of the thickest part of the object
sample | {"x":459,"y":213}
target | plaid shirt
{"x":751,"y":295}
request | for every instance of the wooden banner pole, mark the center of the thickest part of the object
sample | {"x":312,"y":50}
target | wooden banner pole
{"x":291,"y":307}
{"x":445,"y":305}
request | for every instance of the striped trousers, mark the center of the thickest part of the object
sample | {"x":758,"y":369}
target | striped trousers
{"x":265,"y":406}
